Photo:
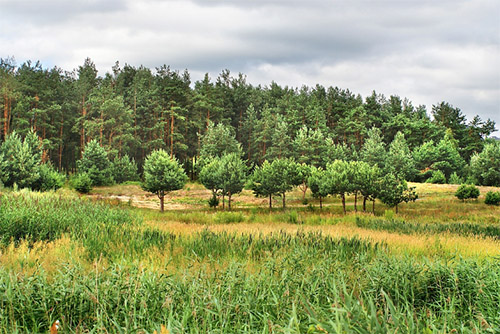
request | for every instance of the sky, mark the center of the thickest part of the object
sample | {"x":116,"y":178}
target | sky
{"x":427,"y":51}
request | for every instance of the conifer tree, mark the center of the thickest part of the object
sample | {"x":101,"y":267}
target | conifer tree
{"x":162,"y":174}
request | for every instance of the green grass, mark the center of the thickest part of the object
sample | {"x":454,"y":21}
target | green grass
{"x":302,"y":283}
{"x":401,"y":226}
{"x":117,"y":272}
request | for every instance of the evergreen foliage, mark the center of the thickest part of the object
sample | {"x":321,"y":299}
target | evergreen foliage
{"x":21,"y":160}
{"x":338,"y":176}
{"x":485,"y":166}
{"x":218,"y":141}
{"x":224,"y":176}
{"x":135,"y":110}
{"x":455,"y":179}
{"x":374,"y":151}
{"x":394,"y":191}
{"x":399,"y":159}
{"x":81,"y":182}
{"x":318,"y":184}
{"x":95,"y":163}
{"x":124,"y":169}
{"x":467,"y":191}
{"x":492,"y":198}
{"x":162,"y":174}
{"x":275,"y":179}
{"x":49,"y":179}
{"x":438,"y":177}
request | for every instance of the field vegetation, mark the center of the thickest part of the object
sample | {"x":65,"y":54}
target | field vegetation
{"x":104,"y":263}
{"x":315,"y":210}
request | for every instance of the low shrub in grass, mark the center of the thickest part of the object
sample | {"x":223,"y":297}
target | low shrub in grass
{"x":437,"y":177}
{"x":492,"y":198}
{"x":467,"y":191}
{"x":81,"y":182}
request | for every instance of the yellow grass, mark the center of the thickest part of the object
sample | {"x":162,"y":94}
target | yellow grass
{"x":443,"y":244}
{"x":51,"y":256}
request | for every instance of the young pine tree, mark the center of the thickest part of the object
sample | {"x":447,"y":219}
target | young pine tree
{"x":162,"y":174}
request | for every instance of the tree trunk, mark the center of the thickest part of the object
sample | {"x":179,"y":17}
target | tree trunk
{"x":364,"y":203}
{"x":172,"y":136}
{"x":223,"y":203}
{"x":284,"y":200}
{"x":343,"y":203}
{"x":61,"y":140}
{"x":101,"y":128}
{"x":162,"y":205}
{"x":5,"y":116}
{"x":82,"y":131}
{"x":270,"y":202}
{"x":135,"y":112}
{"x":355,"y":201}
{"x":229,"y":201}
{"x":321,"y":203}
{"x":238,"y":137}
{"x":249,"y":145}
{"x":373,"y":207}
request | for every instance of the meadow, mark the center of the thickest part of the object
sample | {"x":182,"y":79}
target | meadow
{"x":110,"y":262}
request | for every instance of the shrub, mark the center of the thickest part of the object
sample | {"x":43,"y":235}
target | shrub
{"x":437,"y":177}
{"x":455,"y":179}
{"x":467,"y":192}
{"x":213,"y":202}
{"x":20,"y":160}
{"x":81,"y":183}
{"x":124,"y":169}
{"x":492,"y":198}
{"x":49,"y":179}
{"x":95,"y":164}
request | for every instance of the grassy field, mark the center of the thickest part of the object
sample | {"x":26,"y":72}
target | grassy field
{"x":111,"y":262}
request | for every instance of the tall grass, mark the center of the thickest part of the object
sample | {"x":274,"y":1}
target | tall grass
{"x":401,"y":226}
{"x":208,"y":282}
{"x":46,"y":216}
{"x":319,"y":284}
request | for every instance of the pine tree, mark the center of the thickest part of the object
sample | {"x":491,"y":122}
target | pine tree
{"x":399,"y":160}
{"x":162,"y":174}
{"x":95,"y":163}
{"x":373,"y":151}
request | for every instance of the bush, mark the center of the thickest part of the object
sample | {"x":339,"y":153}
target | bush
{"x":124,"y":169}
{"x":81,"y":183}
{"x":49,"y":179}
{"x":467,"y":192}
{"x":95,"y":164}
{"x":492,"y":198}
{"x":437,"y":177}
{"x":213,"y":202}
{"x":455,"y":179}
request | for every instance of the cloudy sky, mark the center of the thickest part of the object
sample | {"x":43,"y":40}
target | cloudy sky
{"x":426,"y":50}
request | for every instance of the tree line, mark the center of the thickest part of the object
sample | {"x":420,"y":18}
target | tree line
{"x":133,"y":111}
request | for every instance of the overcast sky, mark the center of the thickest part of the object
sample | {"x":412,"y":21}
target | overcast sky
{"x":426,"y":50}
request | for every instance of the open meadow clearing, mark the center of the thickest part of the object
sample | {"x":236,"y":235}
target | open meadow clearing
{"x":111,"y":262}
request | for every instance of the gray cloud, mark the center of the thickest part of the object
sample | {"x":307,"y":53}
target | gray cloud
{"x":50,"y":11}
{"x":427,"y":51}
